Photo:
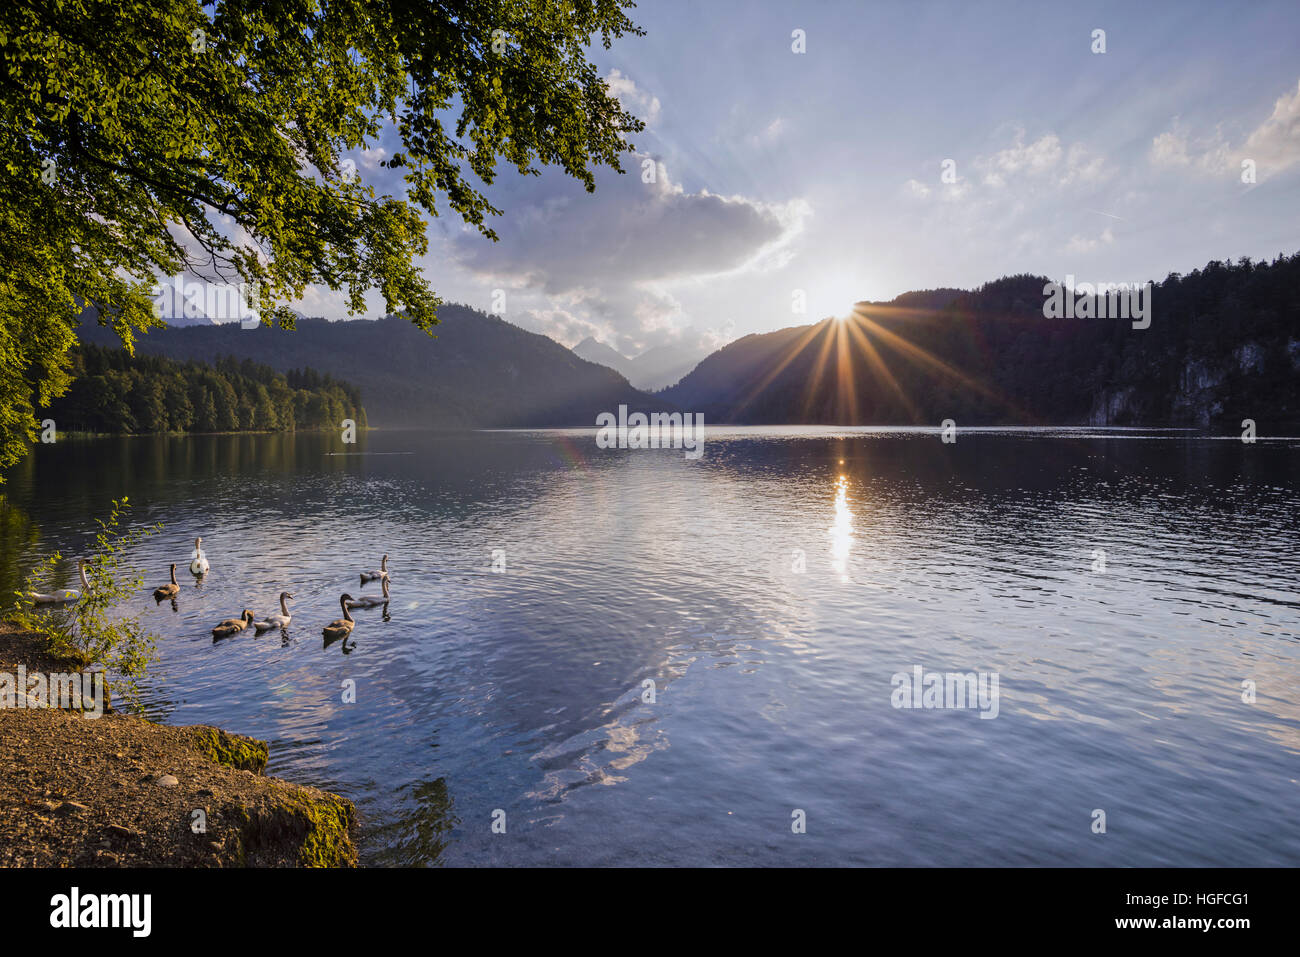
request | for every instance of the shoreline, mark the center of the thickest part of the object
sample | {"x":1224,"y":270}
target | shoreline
{"x":78,"y":434}
{"x":120,"y":791}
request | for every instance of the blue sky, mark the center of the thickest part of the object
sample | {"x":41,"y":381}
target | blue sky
{"x":778,"y":171}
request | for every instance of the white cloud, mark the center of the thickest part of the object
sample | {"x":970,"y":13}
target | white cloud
{"x":629,"y":231}
{"x":1042,"y":163}
{"x":1173,"y":149}
{"x":1032,"y":167}
{"x":1275,"y":143}
{"x":1082,"y":166}
{"x":948,"y":192}
{"x":1046,"y":159}
{"x":611,"y":263}
{"x":769,"y":134}
{"x":564,"y":326}
{"x":634,"y":99}
{"x":952,"y":192}
{"x":1081,"y":244}
{"x":1169,"y":149}
{"x":1035,"y":158}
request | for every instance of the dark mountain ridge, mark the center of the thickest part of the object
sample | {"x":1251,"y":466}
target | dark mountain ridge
{"x":1223,"y":345}
{"x":477,"y":371}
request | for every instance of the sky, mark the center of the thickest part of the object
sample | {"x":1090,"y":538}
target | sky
{"x":817,"y":178}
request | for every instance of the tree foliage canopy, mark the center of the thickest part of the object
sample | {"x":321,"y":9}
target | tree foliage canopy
{"x":140,"y":138}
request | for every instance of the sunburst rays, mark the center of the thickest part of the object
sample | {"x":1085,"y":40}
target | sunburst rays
{"x":857,"y":354}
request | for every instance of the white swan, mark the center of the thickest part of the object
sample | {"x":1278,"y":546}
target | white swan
{"x":200,"y":564}
{"x":276,"y":621}
{"x":64,"y":595}
{"x":370,"y":601}
{"x":340,"y":627}
{"x":375,"y":576}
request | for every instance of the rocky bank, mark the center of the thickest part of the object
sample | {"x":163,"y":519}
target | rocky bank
{"x":120,"y":791}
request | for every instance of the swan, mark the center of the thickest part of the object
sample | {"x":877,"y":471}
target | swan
{"x":232,"y":626}
{"x":370,"y":601}
{"x":200,"y":564}
{"x":64,"y":595}
{"x":167,"y":591}
{"x":340,"y":627}
{"x":375,"y":576}
{"x":276,"y":621}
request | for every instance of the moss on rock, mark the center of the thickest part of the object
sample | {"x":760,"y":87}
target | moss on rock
{"x":317,"y":824}
{"x":232,"y":750}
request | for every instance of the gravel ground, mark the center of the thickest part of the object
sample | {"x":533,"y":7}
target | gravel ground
{"x":118,"y":791}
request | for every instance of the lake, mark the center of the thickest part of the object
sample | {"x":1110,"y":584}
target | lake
{"x":1119,"y":585}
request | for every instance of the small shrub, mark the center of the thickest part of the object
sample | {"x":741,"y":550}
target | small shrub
{"x":88,"y":632}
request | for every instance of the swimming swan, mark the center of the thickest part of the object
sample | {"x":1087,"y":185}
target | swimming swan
{"x":276,"y":621}
{"x":375,"y":576}
{"x":340,"y":627}
{"x":370,"y":601}
{"x":200,"y":564}
{"x":167,"y":591}
{"x":64,"y":595}
{"x":232,"y":626}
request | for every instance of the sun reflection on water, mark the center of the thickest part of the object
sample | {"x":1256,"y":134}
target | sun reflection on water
{"x":841,"y":530}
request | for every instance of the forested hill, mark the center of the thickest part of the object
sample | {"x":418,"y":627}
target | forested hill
{"x":476,"y":370}
{"x":114,"y":392}
{"x":1223,"y":346}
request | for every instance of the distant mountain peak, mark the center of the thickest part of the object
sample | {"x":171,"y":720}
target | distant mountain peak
{"x":655,"y":368}
{"x":596,"y":347}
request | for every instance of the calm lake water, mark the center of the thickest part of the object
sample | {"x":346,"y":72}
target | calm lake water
{"x":1120,"y":689}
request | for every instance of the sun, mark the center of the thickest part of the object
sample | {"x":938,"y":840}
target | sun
{"x":835,"y":296}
